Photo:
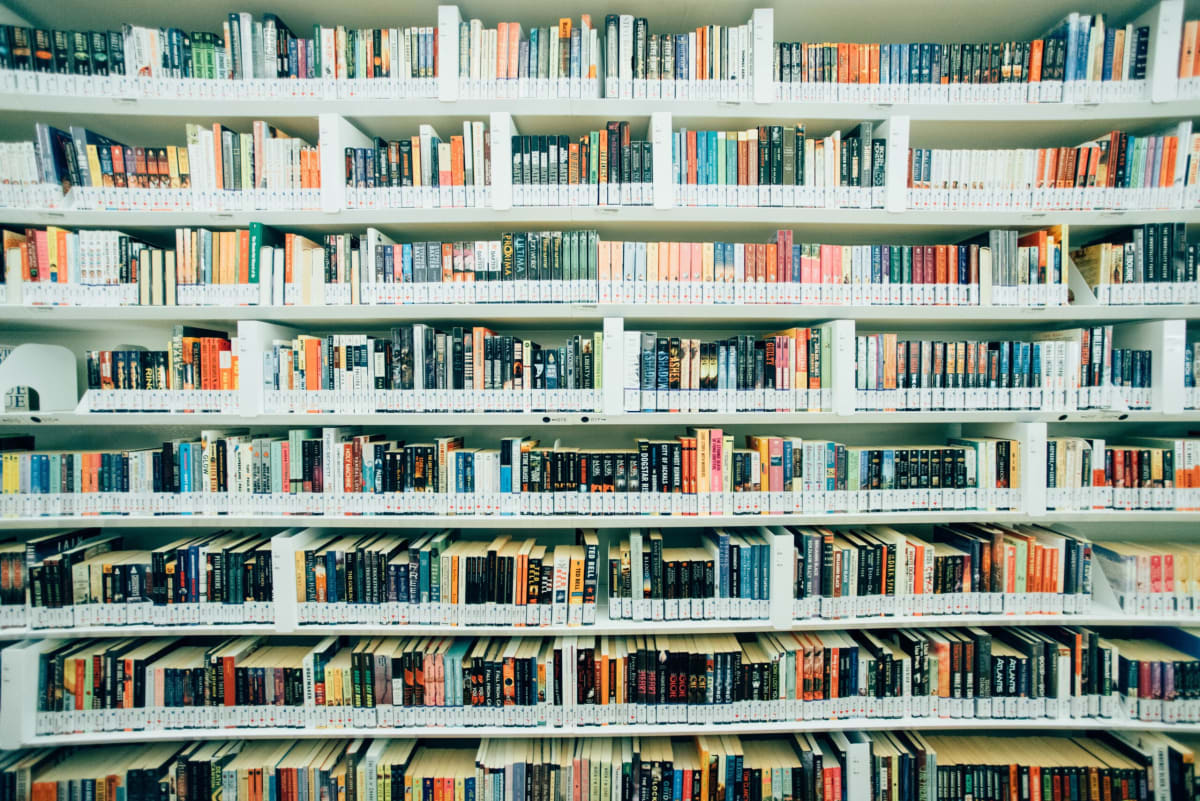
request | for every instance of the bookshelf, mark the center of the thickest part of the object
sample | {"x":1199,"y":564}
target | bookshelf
{"x":335,"y":114}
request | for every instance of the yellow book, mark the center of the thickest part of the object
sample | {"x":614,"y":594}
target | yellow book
{"x":94,"y":172}
{"x":707,"y":274}
{"x":173,"y":165}
{"x":652,"y":272}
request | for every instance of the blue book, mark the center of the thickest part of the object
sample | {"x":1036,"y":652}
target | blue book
{"x":331,"y":582}
{"x":1107,"y":67}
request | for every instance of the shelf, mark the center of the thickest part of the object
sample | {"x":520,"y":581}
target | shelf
{"x":595,"y":521}
{"x":535,"y":419}
{"x":561,"y":314}
{"x":626,"y":730}
{"x":629,"y":220}
{"x":607,"y":627}
{"x":541,"y":111}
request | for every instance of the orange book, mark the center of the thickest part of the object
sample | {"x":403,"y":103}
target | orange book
{"x":1035,"y":60}
{"x":502,"y":51}
{"x":514,"y":48}
{"x":1168,"y":164}
{"x":701,"y":53}
{"x":942,"y":268}
{"x":1187,"y":53}
{"x":697,"y":262}
{"x":289,"y":241}
{"x":457,"y":167}
{"x":1196,"y":57}
{"x":219,"y":179}
{"x":673,"y":262}
{"x":889,"y":361}
{"x":244,"y":256}
{"x":769,"y":262}
{"x":843,"y":62}
{"x":852,"y":66}
{"x":312,"y":363}
{"x":874,"y":76}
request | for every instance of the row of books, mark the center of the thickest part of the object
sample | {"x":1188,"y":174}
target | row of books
{"x":1106,"y":169}
{"x":443,"y":577}
{"x":259,"y":265}
{"x":774,"y":165}
{"x":342,"y":471}
{"x":87,"y":578}
{"x":270,"y":168}
{"x":711,"y":62}
{"x":838,"y":766}
{"x":224,"y":577}
{"x":604,"y":167}
{"x":1146,"y":264}
{"x":1142,"y":473}
{"x":1070,"y":369}
{"x":423,"y":170}
{"x":1068,"y":672}
{"x":244,"y":49}
{"x":195,"y":358}
{"x":787,"y":371}
{"x":420,"y":368}
{"x":505,"y":61}
{"x":1083,"y":47}
{"x":214,"y":158}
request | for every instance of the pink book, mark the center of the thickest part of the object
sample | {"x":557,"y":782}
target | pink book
{"x":685,"y":263}
{"x":775,"y":471}
{"x":697,"y":261}
{"x":718,"y":480}
{"x":602,"y":264}
{"x":673,"y":263}
{"x":616,"y":250}
{"x":43,"y":251}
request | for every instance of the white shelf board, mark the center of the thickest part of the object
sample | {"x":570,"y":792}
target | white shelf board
{"x":605,"y":627}
{"x":707,"y":218}
{"x":596,"y":521}
{"x":539,"y":110}
{"x":535,"y":419}
{"x":559,"y":314}
{"x":626,"y":730}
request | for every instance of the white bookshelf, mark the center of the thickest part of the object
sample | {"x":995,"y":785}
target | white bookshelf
{"x":570,"y":522}
{"x":683,"y":221}
{"x":99,"y":110}
{"x":605,"y":626}
{"x":535,"y":420}
{"x":626,"y":730}
{"x":1060,"y":123}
